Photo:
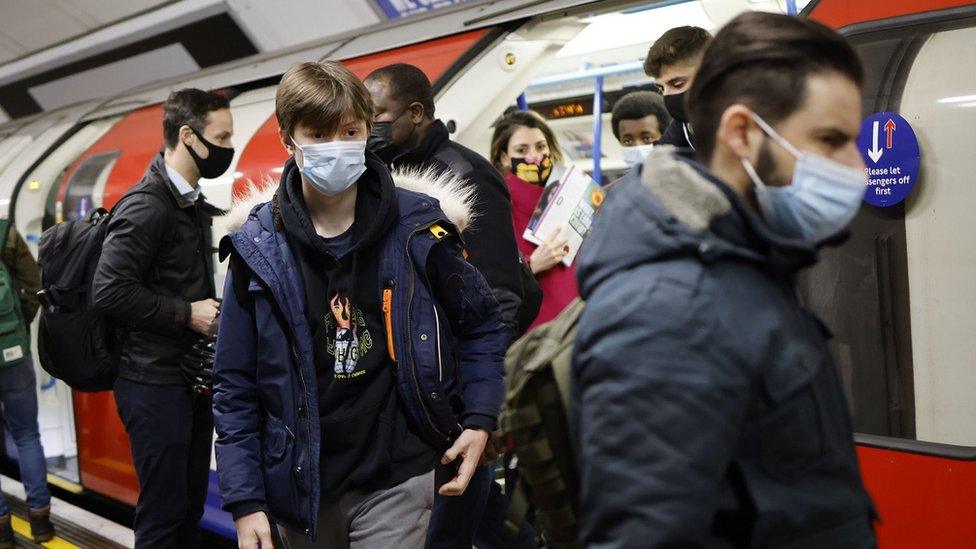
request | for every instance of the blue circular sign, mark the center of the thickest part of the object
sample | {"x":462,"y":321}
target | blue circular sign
{"x":891,"y":158}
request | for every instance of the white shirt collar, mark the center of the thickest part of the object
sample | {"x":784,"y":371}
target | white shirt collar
{"x":183,"y":187}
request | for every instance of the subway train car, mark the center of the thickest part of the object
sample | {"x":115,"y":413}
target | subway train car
{"x":899,"y":295}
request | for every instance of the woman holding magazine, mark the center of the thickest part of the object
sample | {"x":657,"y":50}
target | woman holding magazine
{"x":524,"y":149}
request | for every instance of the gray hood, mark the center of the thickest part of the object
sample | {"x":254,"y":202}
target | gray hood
{"x":672,"y":207}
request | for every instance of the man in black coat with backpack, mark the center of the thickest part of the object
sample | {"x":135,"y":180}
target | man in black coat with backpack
{"x":155,"y":279}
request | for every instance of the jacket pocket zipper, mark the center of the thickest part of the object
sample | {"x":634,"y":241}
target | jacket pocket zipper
{"x":437,"y":326}
{"x":388,"y":319}
{"x":413,"y":366}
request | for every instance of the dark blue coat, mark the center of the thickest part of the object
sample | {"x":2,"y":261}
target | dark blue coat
{"x":447,"y":337}
{"x":710,"y":413}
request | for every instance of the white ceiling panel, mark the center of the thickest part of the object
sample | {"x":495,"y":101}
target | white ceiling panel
{"x":276,"y":24}
{"x":158,"y":64}
{"x":30,"y":26}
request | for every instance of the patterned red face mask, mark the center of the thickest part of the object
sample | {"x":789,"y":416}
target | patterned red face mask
{"x":533,"y":172}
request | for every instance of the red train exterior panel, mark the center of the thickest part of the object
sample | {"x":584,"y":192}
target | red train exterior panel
{"x":841,"y":13}
{"x":923,"y":501}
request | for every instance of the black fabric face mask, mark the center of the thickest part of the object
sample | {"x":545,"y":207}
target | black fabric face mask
{"x":380,"y":141}
{"x":675,"y":104}
{"x":216,"y":162}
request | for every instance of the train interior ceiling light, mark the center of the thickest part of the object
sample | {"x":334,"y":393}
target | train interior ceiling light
{"x":644,"y":25}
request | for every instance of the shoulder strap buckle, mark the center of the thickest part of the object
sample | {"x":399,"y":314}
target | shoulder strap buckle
{"x":438,"y":231}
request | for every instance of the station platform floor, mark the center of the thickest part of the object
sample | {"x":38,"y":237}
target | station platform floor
{"x":75,"y":527}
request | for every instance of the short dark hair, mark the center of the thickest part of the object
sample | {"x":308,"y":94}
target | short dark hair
{"x":318,"y":95}
{"x":678,"y":44}
{"x":409,"y":84}
{"x":506,"y":126}
{"x":635,"y":106}
{"x":762,"y":60}
{"x":189,"y":107}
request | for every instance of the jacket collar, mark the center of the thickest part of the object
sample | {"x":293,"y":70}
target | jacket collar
{"x":375,"y":206}
{"x":434,"y":138}
{"x":707,"y":205}
{"x":673,"y":207}
{"x":454,"y":196}
{"x":158,"y":169}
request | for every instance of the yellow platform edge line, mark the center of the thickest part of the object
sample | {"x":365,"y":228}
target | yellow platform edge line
{"x":65,"y":484}
{"x":22,"y":527}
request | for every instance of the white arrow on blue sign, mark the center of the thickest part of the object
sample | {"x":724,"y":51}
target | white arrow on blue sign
{"x":891,"y":157}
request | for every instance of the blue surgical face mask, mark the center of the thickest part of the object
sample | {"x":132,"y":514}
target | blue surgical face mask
{"x":334,"y":166}
{"x":822,"y":199}
{"x":634,"y":156}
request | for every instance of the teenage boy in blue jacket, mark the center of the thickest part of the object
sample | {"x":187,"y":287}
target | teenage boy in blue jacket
{"x":357,"y":347}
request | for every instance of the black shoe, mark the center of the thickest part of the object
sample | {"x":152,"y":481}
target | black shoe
{"x":40,"y":522}
{"x":6,"y":532}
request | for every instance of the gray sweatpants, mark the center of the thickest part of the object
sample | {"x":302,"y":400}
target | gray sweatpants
{"x":394,"y":518}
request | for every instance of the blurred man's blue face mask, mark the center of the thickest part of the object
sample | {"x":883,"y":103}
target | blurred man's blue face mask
{"x":822,"y":199}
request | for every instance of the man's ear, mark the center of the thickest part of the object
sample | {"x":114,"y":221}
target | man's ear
{"x":186,"y":134}
{"x":738,"y":133}
{"x":286,"y":142}
{"x":417,"y":112}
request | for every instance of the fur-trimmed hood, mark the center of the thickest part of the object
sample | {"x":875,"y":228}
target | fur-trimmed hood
{"x":454,"y":195}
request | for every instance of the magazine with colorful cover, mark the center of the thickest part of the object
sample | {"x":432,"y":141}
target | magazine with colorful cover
{"x":568,"y":202}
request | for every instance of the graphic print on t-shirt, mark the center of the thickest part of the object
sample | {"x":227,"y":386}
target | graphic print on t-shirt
{"x":348,"y":337}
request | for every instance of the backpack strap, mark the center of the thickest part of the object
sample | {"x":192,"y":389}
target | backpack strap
{"x":170,"y":217}
{"x":12,"y":270}
{"x":518,"y":509}
{"x":5,"y":229}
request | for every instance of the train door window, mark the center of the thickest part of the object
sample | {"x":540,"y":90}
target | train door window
{"x":939,"y":99}
{"x":570,"y":68}
{"x":899,"y":294}
{"x":85,"y":188}
{"x":35,"y":210}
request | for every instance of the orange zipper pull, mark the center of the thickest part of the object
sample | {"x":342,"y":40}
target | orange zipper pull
{"x":388,"y":321}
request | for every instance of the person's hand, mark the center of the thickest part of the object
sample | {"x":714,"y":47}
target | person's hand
{"x":203,"y":316}
{"x":254,"y":531}
{"x":552,"y":250}
{"x":470,"y":445}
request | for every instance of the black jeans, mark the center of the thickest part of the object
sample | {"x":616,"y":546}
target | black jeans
{"x":171,"y":436}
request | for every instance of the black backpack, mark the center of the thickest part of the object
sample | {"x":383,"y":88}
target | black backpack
{"x":76,"y":343}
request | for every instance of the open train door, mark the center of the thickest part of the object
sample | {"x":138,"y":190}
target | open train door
{"x":35,"y":169}
{"x":900,"y":294}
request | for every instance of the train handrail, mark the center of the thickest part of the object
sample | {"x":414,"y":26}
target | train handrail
{"x":920,"y":447}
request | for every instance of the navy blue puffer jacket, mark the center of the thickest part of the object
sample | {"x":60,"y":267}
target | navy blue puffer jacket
{"x":710,"y":413}
{"x":448,"y":341}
